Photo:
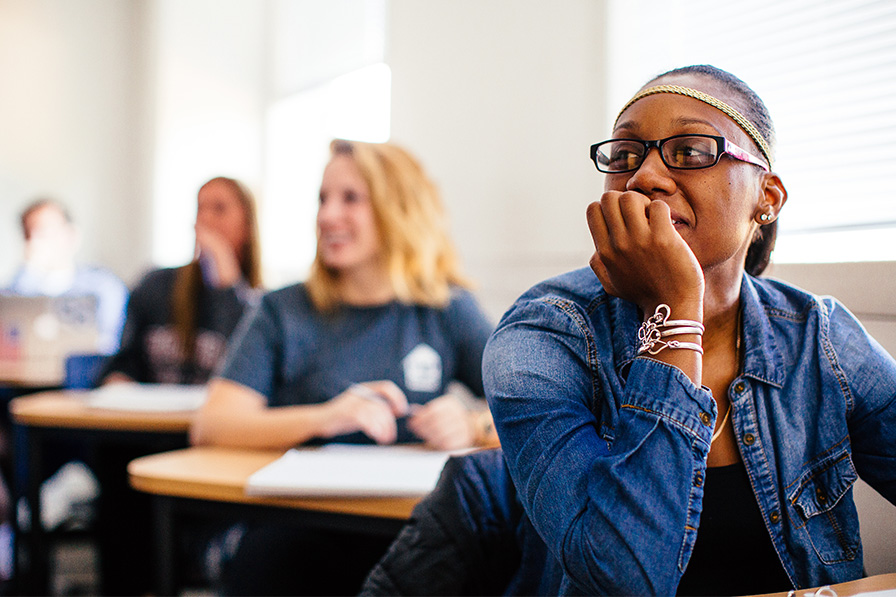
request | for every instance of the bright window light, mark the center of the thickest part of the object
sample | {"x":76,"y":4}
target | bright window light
{"x":359,"y":102}
{"x":186,"y":159}
{"x":836,"y":246}
{"x":299,"y":130}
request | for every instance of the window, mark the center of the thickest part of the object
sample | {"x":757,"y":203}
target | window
{"x":827,"y":72}
{"x":257,"y":92}
{"x":300,"y":127}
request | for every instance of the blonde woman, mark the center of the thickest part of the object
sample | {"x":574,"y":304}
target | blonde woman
{"x":368,"y":345}
{"x":363,"y":351}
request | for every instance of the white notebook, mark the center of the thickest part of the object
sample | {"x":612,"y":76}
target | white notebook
{"x":148,"y":397}
{"x":340,"y":470}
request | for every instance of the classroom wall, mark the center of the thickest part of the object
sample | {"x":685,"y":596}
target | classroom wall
{"x":108,"y":100}
{"x":502,"y":107}
{"x":500,"y":99}
{"x":209,"y":93}
{"x":72,"y":109}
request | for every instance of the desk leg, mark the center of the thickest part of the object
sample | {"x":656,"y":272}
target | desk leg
{"x":163,"y":517}
{"x":32,"y":578}
{"x":18,"y":483}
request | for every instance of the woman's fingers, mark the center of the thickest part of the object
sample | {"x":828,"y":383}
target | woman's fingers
{"x":596,"y":223}
{"x":393,"y":396}
{"x":624,"y":214}
{"x":355,"y":410}
{"x":600,"y":270}
{"x":378,"y":424}
{"x":633,"y":208}
{"x":639,"y":255}
{"x":443,"y":423}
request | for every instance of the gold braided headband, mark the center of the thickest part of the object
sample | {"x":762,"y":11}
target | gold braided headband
{"x":736,"y":116}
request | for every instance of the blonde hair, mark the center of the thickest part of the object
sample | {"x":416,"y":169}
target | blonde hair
{"x":420,"y":259}
{"x":188,"y":278}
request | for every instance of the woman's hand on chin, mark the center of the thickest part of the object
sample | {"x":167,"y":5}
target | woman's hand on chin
{"x":220,"y":264}
{"x":640,"y":256}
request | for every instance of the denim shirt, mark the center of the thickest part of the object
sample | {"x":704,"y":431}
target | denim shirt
{"x":608,"y":451}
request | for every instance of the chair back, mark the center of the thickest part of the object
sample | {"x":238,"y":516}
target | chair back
{"x":83,"y":371}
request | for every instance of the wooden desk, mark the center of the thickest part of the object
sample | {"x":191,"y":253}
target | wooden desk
{"x":881,"y":582}
{"x":66,"y":415}
{"x":68,"y":409}
{"x":221,"y":474}
{"x":213,"y":480}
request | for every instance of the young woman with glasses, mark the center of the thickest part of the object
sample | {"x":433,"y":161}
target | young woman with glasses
{"x":673,"y":422}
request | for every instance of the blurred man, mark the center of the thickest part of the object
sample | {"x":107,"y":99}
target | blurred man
{"x":50,"y":269}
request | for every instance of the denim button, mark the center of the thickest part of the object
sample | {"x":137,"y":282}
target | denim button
{"x":698,"y":480}
{"x":820,"y":496}
{"x":749,"y":439}
{"x":775,"y":516}
{"x":706,"y":418}
{"x":739,"y":387}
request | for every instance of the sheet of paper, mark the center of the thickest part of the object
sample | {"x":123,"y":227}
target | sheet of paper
{"x":148,"y":397}
{"x":351,"y":470}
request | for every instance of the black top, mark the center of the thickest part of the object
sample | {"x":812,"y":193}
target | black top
{"x":733,"y":554}
{"x":151,"y":351}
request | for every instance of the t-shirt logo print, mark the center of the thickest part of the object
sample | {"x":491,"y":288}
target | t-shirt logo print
{"x":422,"y":369}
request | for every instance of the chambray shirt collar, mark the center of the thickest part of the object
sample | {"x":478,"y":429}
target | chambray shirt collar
{"x":762,"y":359}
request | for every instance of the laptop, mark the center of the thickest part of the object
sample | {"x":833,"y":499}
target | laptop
{"x":38,"y":333}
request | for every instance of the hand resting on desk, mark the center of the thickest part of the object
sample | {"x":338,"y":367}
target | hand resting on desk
{"x":444,"y":424}
{"x":371,"y":408}
{"x":234,"y":415}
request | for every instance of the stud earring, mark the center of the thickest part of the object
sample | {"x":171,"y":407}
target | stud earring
{"x":765,"y":217}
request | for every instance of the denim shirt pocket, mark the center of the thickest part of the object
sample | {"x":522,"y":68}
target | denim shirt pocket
{"x":830,"y":522}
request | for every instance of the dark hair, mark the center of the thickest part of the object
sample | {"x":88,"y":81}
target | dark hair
{"x":754,"y":109}
{"x":38,"y":204}
{"x":188,"y":281}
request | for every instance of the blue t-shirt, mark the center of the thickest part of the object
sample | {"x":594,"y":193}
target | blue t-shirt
{"x":292,"y":354}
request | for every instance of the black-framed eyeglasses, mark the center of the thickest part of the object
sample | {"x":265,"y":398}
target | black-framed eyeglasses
{"x":682,"y":152}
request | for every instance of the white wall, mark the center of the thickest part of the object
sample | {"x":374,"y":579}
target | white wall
{"x":71,"y":105}
{"x":501,"y":101}
{"x":209,"y":97}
